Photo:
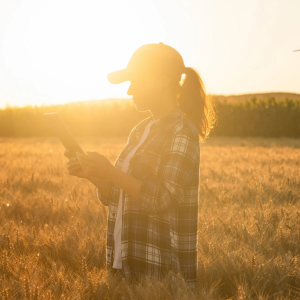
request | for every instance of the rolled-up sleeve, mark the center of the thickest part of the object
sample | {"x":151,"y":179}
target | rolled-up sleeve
{"x":104,"y":200}
{"x":178,"y":167}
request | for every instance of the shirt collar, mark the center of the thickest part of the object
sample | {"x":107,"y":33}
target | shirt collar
{"x":168,"y":120}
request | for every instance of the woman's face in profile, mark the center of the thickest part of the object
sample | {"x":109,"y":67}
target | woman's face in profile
{"x":146,"y":91}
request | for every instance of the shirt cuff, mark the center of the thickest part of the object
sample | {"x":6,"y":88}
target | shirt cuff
{"x":104,"y":200}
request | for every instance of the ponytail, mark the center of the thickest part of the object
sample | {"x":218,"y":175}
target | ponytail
{"x":194,"y":102}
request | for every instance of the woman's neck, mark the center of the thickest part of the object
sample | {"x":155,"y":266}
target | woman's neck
{"x":163,"y":109}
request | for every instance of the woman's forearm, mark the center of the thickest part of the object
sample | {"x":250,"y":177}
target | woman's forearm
{"x":126,"y":182}
{"x":102,"y":185}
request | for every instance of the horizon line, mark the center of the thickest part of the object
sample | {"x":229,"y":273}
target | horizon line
{"x":7,"y":105}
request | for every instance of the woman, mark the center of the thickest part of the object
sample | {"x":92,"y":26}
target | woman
{"x":152,"y":190}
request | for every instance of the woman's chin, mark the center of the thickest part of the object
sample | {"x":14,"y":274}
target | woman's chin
{"x":140,"y":107}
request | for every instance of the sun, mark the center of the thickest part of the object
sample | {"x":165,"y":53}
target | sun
{"x":65,"y":54}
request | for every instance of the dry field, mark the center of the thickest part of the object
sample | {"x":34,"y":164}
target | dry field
{"x":52,"y":227}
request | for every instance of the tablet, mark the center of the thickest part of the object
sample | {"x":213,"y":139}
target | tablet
{"x":59,"y":129}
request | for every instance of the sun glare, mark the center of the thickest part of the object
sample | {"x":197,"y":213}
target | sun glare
{"x":65,"y":55}
{"x":62,"y":50}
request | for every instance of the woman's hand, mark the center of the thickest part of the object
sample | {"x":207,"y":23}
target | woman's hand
{"x":74,"y":167}
{"x":95,"y":164}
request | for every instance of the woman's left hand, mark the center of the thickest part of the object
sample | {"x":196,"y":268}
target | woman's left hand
{"x":95,"y":164}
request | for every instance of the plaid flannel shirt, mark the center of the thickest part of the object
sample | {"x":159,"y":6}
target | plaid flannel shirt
{"x":159,"y":229}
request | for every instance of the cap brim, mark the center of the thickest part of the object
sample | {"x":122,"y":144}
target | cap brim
{"x":118,"y":76}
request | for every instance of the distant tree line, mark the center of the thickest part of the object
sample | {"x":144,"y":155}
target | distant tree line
{"x":264,"y":118}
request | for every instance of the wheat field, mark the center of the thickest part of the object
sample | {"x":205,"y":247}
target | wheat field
{"x":52,"y":227}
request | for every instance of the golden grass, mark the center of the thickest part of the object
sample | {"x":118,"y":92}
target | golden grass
{"x":52,"y":227}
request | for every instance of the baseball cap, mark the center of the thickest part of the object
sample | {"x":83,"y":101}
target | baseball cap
{"x":152,"y":59}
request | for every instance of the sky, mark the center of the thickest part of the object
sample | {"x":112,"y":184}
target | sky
{"x":61,"y":50}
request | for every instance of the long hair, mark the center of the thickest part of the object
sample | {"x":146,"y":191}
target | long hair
{"x":193,"y":101}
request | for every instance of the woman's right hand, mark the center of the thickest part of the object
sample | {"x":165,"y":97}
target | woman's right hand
{"x":74,"y":167}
